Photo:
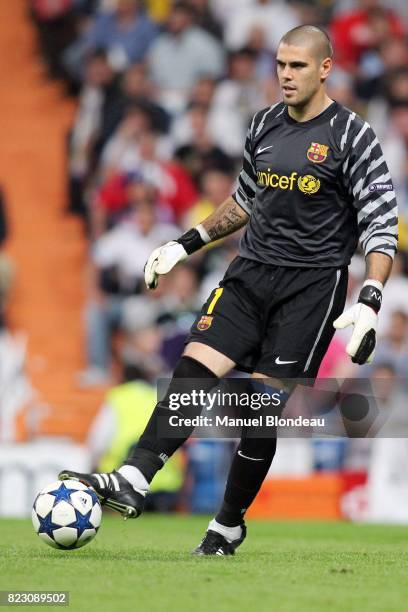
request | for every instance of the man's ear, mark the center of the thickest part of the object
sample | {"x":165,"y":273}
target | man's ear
{"x":325,"y":68}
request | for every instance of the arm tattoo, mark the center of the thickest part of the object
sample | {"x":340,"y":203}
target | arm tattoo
{"x":228,"y":218}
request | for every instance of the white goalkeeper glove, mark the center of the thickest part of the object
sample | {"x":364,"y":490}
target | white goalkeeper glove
{"x":163,"y":259}
{"x":364,"y":317}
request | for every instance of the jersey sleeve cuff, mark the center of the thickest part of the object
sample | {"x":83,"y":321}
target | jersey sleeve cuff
{"x":243,"y":203}
{"x":380,"y":244}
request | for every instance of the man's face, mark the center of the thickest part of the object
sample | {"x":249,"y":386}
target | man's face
{"x":145,"y":217}
{"x":127,"y":8}
{"x":179,"y":20}
{"x":242,"y":68}
{"x":299,"y":73}
{"x":98,"y":72}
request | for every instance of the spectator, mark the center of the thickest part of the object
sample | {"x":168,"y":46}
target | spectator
{"x":265,"y":67}
{"x":121,"y":153}
{"x":115,"y":272}
{"x":126,"y":34}
{"x":205,"y":18}
{"x":223,"y":9}
{"x":398,"y":6}
{"x":158,"y":10}
{"x":396,"y":90}
{"x":117,"y":197}
{"x":143,"y":337}
{"x":179,"y":309}
{"x":395,"y":295}
{"x":392,"y":56}
{"x":395,"y":148}
{"x":215,"y":187}
{"x":387,"y":488}
{"x":393,"y":347}
{"x":340,"y":87}
{"x":390,"y":398}
{"x":56,"y":24}
{"x":137,"y":89}
{"x":313,"y":11}
{"x":174,"y":311}
{"x":202,"y":92}
{"x":180,"y":55}
{"x":199,"y":152}
{"x":141,"y":155}
{"x":96,"y":117}
{"x":174,"y":185}
{"x":365,"y":28}
{"x":273,"y":18}
{"x":235,"y":102}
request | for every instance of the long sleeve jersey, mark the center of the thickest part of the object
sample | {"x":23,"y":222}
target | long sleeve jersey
{"x":315,"y":189}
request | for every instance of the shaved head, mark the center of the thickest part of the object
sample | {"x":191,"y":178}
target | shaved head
{"x":303,"y":63}
{"x":311,"y":37}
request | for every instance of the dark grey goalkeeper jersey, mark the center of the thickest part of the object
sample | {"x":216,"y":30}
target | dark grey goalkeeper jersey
{"x":314,"y":189}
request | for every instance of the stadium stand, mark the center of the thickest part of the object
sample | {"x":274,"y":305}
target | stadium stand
{"x":48,"y":247}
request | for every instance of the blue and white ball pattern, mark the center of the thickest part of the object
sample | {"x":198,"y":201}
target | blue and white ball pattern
{"x":66,"y":514}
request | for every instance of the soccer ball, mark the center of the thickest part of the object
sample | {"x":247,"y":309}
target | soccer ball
{"x":66,"y":515}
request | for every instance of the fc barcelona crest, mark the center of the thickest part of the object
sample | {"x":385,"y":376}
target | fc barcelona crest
{"x":204,"y":323}
{"x":317,"y":153}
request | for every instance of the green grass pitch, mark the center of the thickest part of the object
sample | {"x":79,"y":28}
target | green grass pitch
{"x":146,"y":565}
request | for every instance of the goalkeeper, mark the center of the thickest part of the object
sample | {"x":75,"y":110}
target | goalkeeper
{"x":314,"y":183}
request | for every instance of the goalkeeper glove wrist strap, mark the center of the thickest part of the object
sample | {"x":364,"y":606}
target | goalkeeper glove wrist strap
{"x":371,"y":295}
{"x":194,"y":239}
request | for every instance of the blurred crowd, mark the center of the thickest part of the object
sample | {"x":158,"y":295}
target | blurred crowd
{"x":165,"y":92}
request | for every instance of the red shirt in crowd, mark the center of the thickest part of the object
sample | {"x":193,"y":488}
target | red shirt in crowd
{"x":176,"y":190}
{"x":357,"y":31}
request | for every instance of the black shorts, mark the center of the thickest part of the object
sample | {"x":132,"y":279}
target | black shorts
{"x":271,"y":319}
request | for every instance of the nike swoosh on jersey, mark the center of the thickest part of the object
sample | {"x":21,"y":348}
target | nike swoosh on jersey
{"x":250,"y":458}
{"x":262,"y":149}
{"x":279,"y":362}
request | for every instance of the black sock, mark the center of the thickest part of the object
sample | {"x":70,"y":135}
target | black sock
{"x":249,"y":467}
{"x":250,"y":464}
{"x":153,"y":450}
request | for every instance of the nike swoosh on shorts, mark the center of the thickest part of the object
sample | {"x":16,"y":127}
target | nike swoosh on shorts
{"x":250,"y":458}
{"x":279,"y":362}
